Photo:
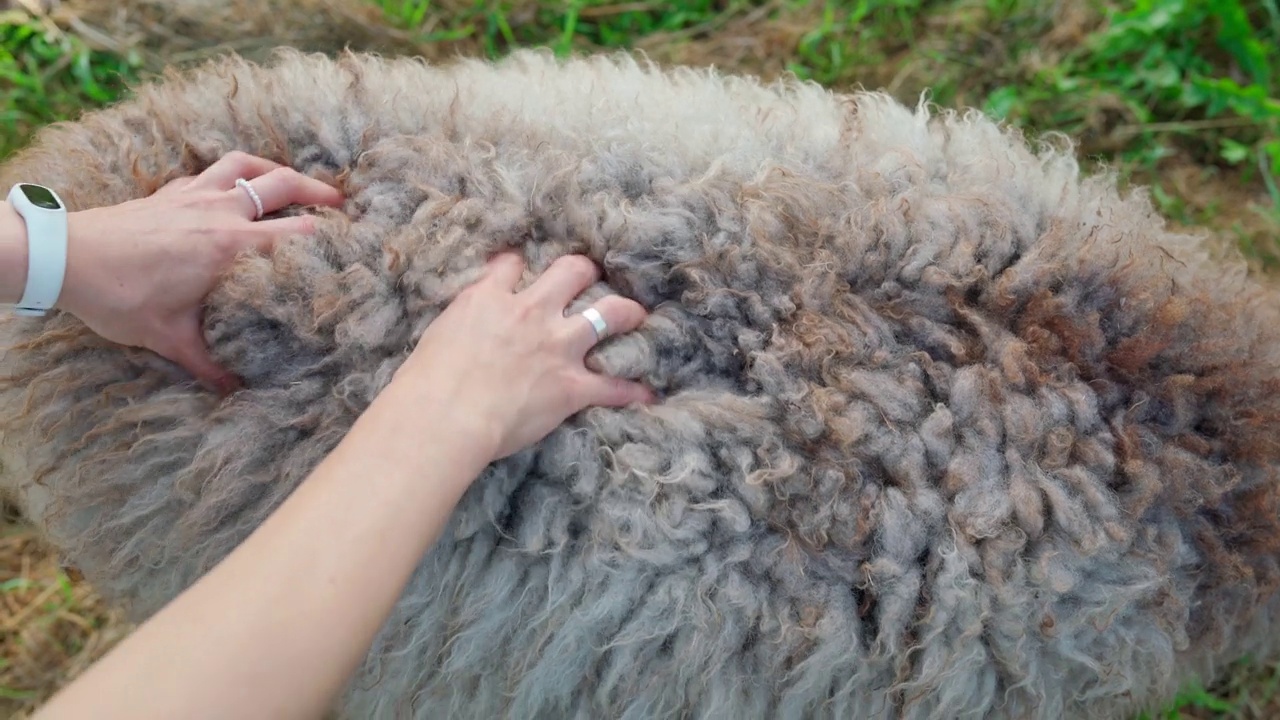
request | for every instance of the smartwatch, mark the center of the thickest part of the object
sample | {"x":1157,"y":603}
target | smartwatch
{"x":46,"y":219}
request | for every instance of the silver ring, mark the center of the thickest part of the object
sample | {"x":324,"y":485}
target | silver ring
{"x":597,"y":322}
{"x":253,"y":195}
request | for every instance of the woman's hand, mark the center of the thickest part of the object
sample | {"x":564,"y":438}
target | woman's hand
{"x":510,"y":366}
{"x":138,"y":272}
{"x":495,"y":372}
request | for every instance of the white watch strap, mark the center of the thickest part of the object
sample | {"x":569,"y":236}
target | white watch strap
{"x":46,"y":253}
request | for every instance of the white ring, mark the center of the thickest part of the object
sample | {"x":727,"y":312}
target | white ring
{"x":257,"y":201}
{"x":597,"y":322}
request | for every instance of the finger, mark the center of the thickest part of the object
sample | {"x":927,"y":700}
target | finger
{"x":606,"y":391}
{"x":268,"y":232}
{"x":222,"y":175}
{"x":620,"y":316}
{"x":504,"y":271}
{"x":176,"y":184}
{"x":565,"y":280}
{"x":283,"y":187}
{"x":188,"y":350}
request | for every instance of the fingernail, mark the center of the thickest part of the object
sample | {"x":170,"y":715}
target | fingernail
{"x":225,"y":385}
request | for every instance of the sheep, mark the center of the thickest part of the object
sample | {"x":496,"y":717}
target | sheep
{"x":947,"y":428}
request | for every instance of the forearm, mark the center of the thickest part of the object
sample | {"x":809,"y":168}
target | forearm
{"x":277,"y":628}
{"x":13,"y":254}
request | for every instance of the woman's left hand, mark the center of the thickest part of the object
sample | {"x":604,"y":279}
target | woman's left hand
{"x":138,"y":272}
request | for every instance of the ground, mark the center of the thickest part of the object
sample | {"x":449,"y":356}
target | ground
{"x":1180,"y":96}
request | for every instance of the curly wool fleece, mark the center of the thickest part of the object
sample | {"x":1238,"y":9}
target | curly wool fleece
{"x":946,"y":430}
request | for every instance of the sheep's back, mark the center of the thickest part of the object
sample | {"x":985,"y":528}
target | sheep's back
{"x":945,"y":429}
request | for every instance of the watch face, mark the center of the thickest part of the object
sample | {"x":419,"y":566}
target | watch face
{"x":41,"y":197}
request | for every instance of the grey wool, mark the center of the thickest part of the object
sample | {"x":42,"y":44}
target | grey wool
{"x":946,"y":428}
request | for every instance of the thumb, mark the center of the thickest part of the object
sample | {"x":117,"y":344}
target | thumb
{"x":188,"y":349}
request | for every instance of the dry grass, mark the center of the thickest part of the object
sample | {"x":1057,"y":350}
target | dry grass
{"x":51,"y":626}
{"x":756,"y":37}
{"x":169,"y":32}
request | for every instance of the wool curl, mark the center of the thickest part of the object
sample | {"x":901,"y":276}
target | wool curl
{"x":946,"y":428}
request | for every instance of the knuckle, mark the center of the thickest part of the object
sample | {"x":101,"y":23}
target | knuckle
{"x":631,"y":313}
{"x":238,"y":158}
{"x":467,"y":296}
{"x":566,"y":335}
{"x":527,"y":311}
{"x":575,"y":388}
{"x":230,"y":202}
{"x":579,"y":266}
{"x":613,"y":312}
{"x":570,"y":262}
{"x":306,"y":225}
{"x":196,"y":201}
{"x":227,"y":245}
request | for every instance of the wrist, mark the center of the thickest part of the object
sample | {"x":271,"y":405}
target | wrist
{"x":44,"y":219}
{"x":424,"y":411}
{"x":74,"y":286}
{"x":411,"y":432}
{"x":13,"y":255}
{"x":14,"y":258}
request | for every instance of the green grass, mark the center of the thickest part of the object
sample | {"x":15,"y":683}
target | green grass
{"x":1250,"y":691}
{"x":562,"y":27}
{"x":48,"y":75}
{"x":1141,"y":85}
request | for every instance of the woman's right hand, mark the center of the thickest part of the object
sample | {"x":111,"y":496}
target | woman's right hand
{"x":495,"y":372}
{"x":511,"y":366}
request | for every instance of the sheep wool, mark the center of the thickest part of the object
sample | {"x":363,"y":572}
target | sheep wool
{"x":947,"y":428}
